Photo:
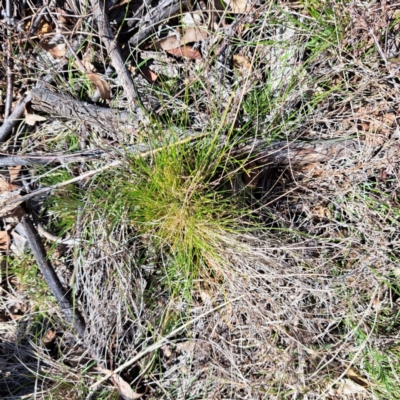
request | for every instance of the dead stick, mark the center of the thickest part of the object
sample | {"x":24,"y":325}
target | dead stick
{"x":10,"y":62}
{"x":71,"y":314}
{"x":14,"y":119}
{"x":114,"y":51}
{"x":65,"y":106}
{"x":276,"y":153}
{"x":300,"y":153}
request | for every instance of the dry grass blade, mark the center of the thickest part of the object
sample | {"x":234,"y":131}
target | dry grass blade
{"x":160,"y":343}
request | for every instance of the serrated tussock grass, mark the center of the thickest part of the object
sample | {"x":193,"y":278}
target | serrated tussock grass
{"x":179,"y":202}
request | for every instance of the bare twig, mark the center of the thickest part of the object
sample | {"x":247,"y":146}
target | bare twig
{"x":37,"y":20}
{"x":13,"y":119}
{"x":10,"y":63}
{"x":114,"y":51}
{"x":71,"y":314}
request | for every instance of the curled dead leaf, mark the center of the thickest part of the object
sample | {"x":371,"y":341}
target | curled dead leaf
{"x":190,"y":35}
{"x":241,"y":62}
{"x":102,"y":86}
{"x":355,"y":377}
{"x":31,"y":119}
{"x":56,"y":50}
{"x":5,"y":240}
{"x":14,"y":172}
{"x":122,"y":386}
{"x":238,"y":6}
{"x":185,"y":51}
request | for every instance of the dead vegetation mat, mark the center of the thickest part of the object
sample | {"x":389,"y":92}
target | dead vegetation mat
{"x":300,"y":296}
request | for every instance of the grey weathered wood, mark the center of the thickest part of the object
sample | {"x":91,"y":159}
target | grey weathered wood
{"x":65,"y":106}
{"x":300,"y":153}
{"x":278,"y":153}
{"x":14,"y":119}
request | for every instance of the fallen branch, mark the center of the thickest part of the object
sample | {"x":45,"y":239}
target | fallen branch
{"x":71,"y":314}
{"x":65,"y":106}
{"x":49,"y":159}
{"x":300,"y":153}
{"x":278,"y":153}
{"x":114,"y":51}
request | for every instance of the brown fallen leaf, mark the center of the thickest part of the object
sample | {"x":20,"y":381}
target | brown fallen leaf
{"x":238,"y":6}
{"x":102,"y":86}
{"x":241,"y":62}
{"x":185,"y":51}
{"x":149,"y":75}
{"x":194,"y":34}
{"x":168,"y":43}
{"x":44,"y":27}
{"x":190,"y":35}
{"x":31,"y":119}
{"x":122,"y":386}
{"x":15,"y":216}
{"x":49,"y":336}
{"x":6,"y":186}
{"x":56,"y":50}
{"x":62,"y":16}
{"x":5,"y":240}
{"x":14,"y":172}
{"x":8,"y":197}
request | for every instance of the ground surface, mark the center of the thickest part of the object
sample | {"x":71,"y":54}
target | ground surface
{"x":226,"y":221}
